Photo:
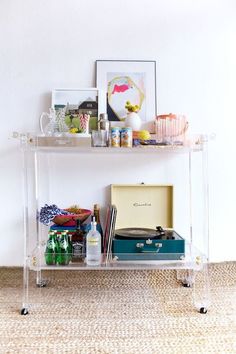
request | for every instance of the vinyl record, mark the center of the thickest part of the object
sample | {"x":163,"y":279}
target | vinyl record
{"x":136,"y":233}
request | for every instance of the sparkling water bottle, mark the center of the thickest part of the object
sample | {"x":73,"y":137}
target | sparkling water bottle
{"x":93,"y":245}
{"x":63,"y":249}
{"x":51,"y":249}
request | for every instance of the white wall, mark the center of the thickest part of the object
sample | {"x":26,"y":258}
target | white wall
{"x":54,"y":43}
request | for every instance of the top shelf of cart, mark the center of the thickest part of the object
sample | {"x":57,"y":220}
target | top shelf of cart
{"x":83,"y":145}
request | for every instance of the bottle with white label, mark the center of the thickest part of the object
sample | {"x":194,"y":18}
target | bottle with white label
{"x":93,"y":245}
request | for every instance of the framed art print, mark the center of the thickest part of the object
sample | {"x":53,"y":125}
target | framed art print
{"x":78,"y":101}
{"x":127,"y":80}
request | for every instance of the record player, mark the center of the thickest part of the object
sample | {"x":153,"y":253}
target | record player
{"x":144,"y":243}
{"x":140,"y":209}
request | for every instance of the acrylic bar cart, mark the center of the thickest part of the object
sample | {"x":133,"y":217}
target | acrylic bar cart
{"x":47,"y":162}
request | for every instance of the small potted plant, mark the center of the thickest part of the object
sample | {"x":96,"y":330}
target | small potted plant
{"x":132,"y":119}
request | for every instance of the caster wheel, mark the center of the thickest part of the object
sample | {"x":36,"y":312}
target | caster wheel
{"x":42,"y":284}
{"x":186,"y":285}
{"x":203,"y":310}
{"x":24,"y":312}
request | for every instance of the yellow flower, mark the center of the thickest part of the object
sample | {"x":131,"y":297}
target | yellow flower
{"x":74,"y":130}
{"x":132,"y":108}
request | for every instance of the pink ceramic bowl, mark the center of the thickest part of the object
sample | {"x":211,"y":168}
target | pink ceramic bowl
{"x":71,"y":219}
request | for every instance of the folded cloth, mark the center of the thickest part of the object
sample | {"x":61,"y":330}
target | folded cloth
{"x":48,"y":213}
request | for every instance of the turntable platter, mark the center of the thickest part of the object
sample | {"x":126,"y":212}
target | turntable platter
{"x":136,"y":233}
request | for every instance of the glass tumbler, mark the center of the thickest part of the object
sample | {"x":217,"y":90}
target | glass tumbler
{"x":99,"y":138}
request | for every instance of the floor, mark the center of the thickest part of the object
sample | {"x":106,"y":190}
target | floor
{"x":117,"y":312}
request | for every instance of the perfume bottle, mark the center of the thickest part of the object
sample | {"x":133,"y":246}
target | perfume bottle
{"x":93,"y":245}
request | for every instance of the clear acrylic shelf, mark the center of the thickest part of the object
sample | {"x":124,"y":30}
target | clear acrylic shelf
{"x":192,"y":259}
{"x":83,"y":145}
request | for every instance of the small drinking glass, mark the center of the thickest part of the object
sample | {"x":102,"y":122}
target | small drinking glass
{"x":99,"y":138}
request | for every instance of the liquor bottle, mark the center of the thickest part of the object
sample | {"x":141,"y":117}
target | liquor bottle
{"x":63,"y":249}
{"x":77,"y":243}
{"x":96,"y":214}
{"x":93,"y":245}
{"x":51,"y":249}
{"x":69,"y":238}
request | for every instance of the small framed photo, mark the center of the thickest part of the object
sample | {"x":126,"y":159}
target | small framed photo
{"x":78,"y":101}
{"x":127,"y":80}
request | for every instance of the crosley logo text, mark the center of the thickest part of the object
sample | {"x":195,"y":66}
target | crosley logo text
{"x":142,"y":204}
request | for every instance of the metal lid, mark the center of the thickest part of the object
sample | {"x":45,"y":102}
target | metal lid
{"x":103,"y":116}
{"x":126,"y":128}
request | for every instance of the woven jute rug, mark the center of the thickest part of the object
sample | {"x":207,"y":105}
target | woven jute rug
{"x":119,"y":312}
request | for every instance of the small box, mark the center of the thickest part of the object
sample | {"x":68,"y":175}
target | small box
{"x":146,"y":206}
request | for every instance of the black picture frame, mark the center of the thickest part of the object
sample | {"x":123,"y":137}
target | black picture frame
{"x":136,"y":73}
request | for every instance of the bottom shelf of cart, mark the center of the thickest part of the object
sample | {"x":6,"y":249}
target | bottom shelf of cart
{"x":192,"y":260}
{"x":154,"y":265}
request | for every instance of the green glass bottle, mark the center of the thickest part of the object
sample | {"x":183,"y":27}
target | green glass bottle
{"x":51,"y":250}
{"x":63,"y":249}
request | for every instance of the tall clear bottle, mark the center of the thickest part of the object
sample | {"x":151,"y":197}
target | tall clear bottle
{"x":93,"y":245}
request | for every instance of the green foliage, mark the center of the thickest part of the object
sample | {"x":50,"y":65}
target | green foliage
{"x":75,"y":123}
{"x":132,"y":108}
{"x":68,"y":121}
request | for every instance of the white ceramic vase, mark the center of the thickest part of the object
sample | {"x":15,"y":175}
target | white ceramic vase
{"x":133,"y":121}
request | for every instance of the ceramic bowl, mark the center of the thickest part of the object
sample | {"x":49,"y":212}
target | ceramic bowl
{"x":71,"y":219}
